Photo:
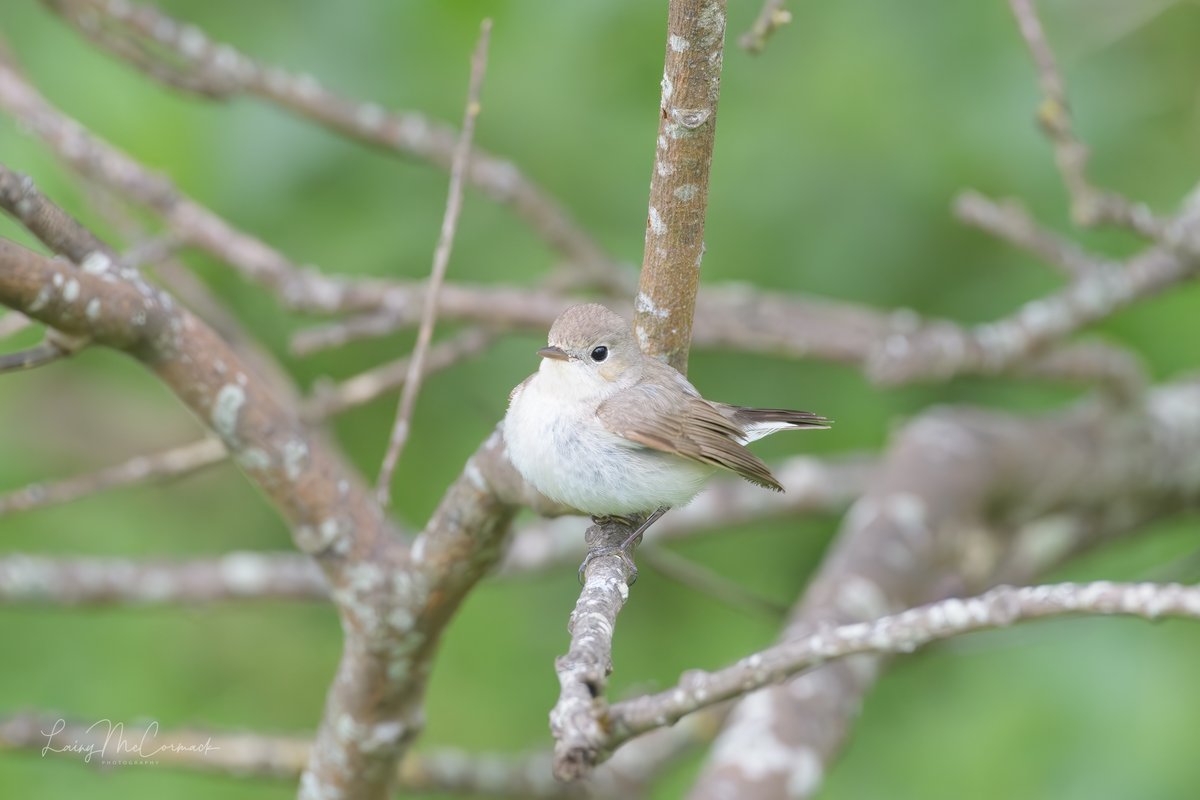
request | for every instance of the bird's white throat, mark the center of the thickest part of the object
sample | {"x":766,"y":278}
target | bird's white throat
{"x":571,"y":383}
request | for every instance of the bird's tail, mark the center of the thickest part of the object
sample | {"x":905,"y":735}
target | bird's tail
{"x":760,"y":422}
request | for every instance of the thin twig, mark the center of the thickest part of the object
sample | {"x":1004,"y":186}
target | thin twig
{"x":159,"y":466}
{"x":441,"y":259}
{"x":366,"y":386}
{"x":1012,"y":223}
{"x":370,"y":325}
{"x":772,"y":17}
{"x":711,"y":583}
{"x":39,"y":355}
{"x":1089,"y":205}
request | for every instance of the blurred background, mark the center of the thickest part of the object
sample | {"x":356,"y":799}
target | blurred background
{"x":839,"y":151}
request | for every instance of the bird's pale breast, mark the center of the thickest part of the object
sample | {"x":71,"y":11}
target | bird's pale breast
{"x":569,"y":456}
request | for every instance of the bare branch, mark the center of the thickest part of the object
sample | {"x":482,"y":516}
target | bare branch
{"x":1012,"y":223}
{"x":164,"y":465}
{"x":814,"y":485}
{"x":577,"y":719}
{"x":183,"y":57}
{"x":100,"y":581}
{"x":329,"y":400}
{"x":1089,"y":205}
{"x":687,"y":129}
{"x":899,"y":633}
{"x":727,"y":317}
{"x":191,"y":222}
{"x":195,"y":294}
{"x":36,"y":356}
{"x":896,"y":348}
{"x":376,"y":696}
{"x":394,"y":600}
{"x":911,"y":350}
{"x":441,"y":260}
{"x":384,"y":307}
{"x":963,"y":499}
{"x":182,"y":460}
{"x":332,"y":516}
{"x":1117,"y":370}
{"x":711,"y":583}
{"x":371,"y":325}
{"x":630,"y":770}
{"x":49,"y":223}
{"x":939,"y":351}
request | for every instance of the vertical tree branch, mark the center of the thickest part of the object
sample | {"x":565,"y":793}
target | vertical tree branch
{"x":687,"y":128}
{"x":665,"y":305}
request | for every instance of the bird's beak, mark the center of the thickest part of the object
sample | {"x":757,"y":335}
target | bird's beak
{"x":557,"y":353}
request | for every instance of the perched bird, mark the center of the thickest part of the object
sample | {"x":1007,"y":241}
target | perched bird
{"x":612,"y":432}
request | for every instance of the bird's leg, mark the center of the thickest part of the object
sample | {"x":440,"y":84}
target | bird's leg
{"x":622,"y":549}
{"x":636,"y":536}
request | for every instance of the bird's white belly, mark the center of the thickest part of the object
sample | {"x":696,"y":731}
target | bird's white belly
{"x":589,"y":468}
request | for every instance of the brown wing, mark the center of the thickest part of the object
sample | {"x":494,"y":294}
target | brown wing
{"x":675,"y":421}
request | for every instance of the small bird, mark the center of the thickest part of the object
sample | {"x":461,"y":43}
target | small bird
{"x":612,"y":432}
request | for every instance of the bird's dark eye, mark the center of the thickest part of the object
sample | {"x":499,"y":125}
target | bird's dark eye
{"x":599,"y":353}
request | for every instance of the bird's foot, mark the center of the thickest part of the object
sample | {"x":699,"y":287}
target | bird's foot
{"x":625,"y":549}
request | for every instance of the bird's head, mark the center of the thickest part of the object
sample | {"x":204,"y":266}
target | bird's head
{"x":591,"y":350}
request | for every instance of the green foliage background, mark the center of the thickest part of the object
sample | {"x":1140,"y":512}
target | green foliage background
{"x":838,"y":153}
